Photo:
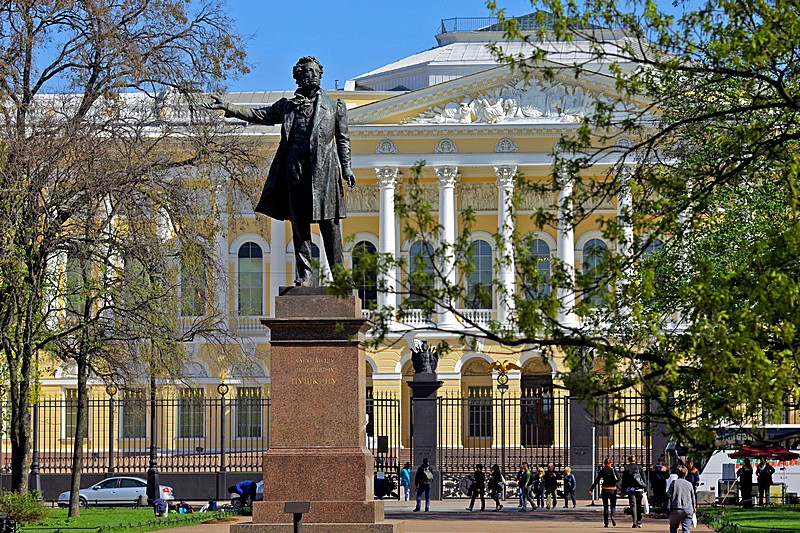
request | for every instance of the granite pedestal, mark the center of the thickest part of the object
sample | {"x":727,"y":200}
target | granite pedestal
{"x":318,"y":419}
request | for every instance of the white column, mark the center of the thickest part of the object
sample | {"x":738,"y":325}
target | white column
{"x":505,"y":228}
{"x":566,"y":247}
{"x":447,"y":220}
{"x":221,"y":241}
{"x":625,"y":211}
{"x":387,"y":238}
{"x":277,"y":260}
{"x":625,"y":220}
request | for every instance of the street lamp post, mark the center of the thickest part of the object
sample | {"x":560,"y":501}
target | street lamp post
{"x":502,"y":386}
{"x":111,"y":390}
{"x":153,"y":484}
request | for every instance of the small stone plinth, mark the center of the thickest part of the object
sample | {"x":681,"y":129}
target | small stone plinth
{"x":318,"y":418}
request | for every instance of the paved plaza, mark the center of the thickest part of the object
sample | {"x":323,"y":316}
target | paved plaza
{"x":450,"y":516}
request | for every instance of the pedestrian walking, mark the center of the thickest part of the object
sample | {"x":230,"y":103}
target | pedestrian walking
{"x":496,"y":483}
{"x":569,"y":487}
{"x":682,"y":502}
{"x":634,"y":485}
{"x":405,"y":480}
{"x":478,"y":487}
{"x":537,"y":484}
{"x":607,"y":479}
{"x":422,"y":484}
{"x":523,"y":478}
{"x":550,"y":483}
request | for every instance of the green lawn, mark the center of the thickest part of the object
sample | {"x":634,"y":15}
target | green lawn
{"x":755,"y":520}
{"x":125,"y":519}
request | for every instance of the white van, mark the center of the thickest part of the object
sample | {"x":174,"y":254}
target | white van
{"x":786,"y":472}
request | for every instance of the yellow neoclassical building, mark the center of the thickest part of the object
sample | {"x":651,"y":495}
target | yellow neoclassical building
{"x":476,"y":125}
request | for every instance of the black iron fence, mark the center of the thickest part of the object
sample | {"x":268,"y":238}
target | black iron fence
{"x":532,"y":427}
{"x":191,"y":433}
{"x":623,"y":427}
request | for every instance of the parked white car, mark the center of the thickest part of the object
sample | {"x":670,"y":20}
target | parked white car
{"x":115,"y":491}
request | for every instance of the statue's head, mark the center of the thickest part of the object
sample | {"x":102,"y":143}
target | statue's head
{"x":307,"y":72}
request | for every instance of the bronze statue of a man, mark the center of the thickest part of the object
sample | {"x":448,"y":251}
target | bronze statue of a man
{"x":304,"y":183}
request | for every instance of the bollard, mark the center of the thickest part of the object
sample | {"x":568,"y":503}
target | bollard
{"x":297,"y":508}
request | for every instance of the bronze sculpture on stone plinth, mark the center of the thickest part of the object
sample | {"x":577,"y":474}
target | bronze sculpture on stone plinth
{"x":423,"y":358}
{"x":304,"y":183}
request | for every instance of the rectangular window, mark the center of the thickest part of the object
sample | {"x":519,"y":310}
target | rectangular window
{"x":193,"y":290}
{"x":191,"y":413}
{"x":133,"y":414}
{"x":71,"y":414}
{"x":248,"y":412}
{"x":479,"y":409}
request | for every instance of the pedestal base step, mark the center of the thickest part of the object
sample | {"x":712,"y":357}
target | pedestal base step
{"x":387,"y":526}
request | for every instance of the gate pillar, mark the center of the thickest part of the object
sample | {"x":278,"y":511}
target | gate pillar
{"x":581,"y":448}
{"x":425,"y":422}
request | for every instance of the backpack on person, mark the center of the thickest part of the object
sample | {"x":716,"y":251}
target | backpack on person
{"x":428,"y":474}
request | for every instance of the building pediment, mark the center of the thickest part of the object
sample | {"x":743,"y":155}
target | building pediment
{"x":498,"y":97}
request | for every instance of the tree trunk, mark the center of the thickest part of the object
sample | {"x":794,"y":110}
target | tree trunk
{"x":81,"y":424}
{"x":20,"y":430}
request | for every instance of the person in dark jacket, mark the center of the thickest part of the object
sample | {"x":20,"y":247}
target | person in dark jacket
{"x":478,"y":487}
{"x":607,"y":480}
{"x":304,"y":183}
{"x":634,"y":485}
{"x":744,"y":477}
{"x":550,"y":481}
{"x":422,"y":484}
{"x":659,"y":475}
{"x":496,"y":486}
{"x":764,"y":472}
{"x":693,"y":475}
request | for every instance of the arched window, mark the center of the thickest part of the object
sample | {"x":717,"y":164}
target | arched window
{"x":539,"y":287}
{"x":420,"y":269}
{"x":594,"y":254}
{"x":479,"y":282}
{"x":251,"y":280}
{"x":193,"y":289}
{"x":365,"y":273}
{"x":655,"y":246}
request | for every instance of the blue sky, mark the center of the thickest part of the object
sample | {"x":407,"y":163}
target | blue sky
{"x":349,"y":38}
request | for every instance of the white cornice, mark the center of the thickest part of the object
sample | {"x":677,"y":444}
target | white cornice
{"x":489,"y":160}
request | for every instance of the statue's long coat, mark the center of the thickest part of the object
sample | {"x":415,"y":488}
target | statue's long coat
{"x":329,"y":147}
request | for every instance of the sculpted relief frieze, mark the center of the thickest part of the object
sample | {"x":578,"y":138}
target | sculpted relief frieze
{"x":428,"y":191}
{"x":363,"y":199}
{"x":518,"y":102}
{"x":478,"y":196}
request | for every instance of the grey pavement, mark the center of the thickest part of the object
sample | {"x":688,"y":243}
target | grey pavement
{"x":450,"y":516}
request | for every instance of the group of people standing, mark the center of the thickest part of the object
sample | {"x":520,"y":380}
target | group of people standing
{"x":744,"y":477}
{"x":539,"y":487}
